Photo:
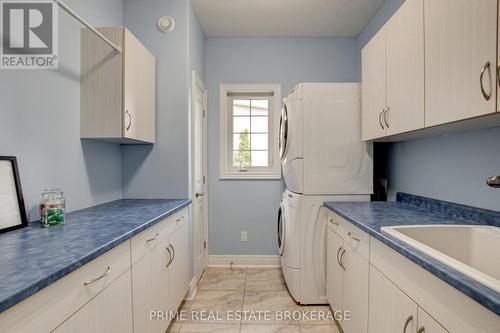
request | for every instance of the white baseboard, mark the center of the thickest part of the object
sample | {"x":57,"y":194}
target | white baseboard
{"x":244,"y":261}
{"x":192,"y":289}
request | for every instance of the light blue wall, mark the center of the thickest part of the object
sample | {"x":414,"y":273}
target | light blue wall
{"x":161,"y":170}
{"x":40,"y":122}
{"x":453,"y":167}
{"x":251,"y":206}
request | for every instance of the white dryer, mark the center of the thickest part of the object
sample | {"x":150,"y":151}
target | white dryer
{"x":302,"y":244}
{"x":320,"y":140}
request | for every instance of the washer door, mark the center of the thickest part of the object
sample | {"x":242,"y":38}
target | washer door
{"x":283,"y":138}
{"x":281,"y":229}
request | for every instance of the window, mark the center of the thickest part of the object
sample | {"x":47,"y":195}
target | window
{"x":249,"y":131}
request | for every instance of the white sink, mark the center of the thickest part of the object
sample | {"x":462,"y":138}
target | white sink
{"x":471,"y":250}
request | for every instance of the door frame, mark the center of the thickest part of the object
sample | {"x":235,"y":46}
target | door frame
{"x":197,"y":82}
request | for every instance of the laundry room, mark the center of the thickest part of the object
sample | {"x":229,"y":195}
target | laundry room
{"x":302,"y":166}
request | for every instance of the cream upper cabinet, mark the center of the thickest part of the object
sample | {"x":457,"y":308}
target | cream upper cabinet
{"x":391,"y":311}
{"x":374,"y":93}
{"x":110,"y":311}
{"x":405,"y":69}
{"x":117,"y":89}
{"x":460,"y":59}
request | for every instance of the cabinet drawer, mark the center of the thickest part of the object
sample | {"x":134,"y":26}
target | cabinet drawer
{"x":352,"y":235}
{"x":49,"y":307}
{"x":144,"y":242}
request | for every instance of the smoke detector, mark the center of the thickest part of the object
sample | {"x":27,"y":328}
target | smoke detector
{"x":166,"y":23}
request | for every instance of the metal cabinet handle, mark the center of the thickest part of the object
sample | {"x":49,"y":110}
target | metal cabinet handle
{"x":340,"y":261}
{"x":353,"y":238}
{"x":485,"y":95}
{"x":385,"y":116}
{"x":332,"y":221}
{"x":199,"y":194}
{"x":498,"y":74}
{"x":153,"y":239}
{"x":421,"y":330}
{"x":408,"y":321}
{"x":108,"y":270}
{"x":169,"y":256}
{"x":129,"y":120}
{"x":173,"y":255}
{"x":380,"y":118}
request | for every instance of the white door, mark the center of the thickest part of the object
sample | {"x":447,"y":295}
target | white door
{"x":460,"y":59}
{"x":199,"y":176}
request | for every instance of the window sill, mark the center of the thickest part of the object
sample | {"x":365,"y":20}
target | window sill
{"x":250,"y":175}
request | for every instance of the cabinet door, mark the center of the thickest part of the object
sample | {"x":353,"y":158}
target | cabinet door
{"x":150,"y":283}
{"x":374,"y":98}
{"x":427,"y":324}
{"x":460,"y":40}
{"x":139,"y":91}
{"x":405,"y":69}
{"x":110,"y":311}
{"x":179,"y":268}
{"x":334,"y":272}
{"x":390,"y":310}
{"x":355,"y":291}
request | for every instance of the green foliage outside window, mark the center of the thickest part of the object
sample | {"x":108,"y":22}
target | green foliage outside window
{"x":241,"y":157}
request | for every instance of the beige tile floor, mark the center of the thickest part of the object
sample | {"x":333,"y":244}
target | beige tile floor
{"x":261,"y":291}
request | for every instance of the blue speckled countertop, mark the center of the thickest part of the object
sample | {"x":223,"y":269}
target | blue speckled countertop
{"x":34,"y":257}
{"x":414,"y":210}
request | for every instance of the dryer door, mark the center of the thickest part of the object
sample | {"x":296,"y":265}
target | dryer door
{"x":283,"y":138}
{"x":281,"y":229}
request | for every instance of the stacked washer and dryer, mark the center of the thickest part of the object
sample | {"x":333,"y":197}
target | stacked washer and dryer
{"x":323,"y":159}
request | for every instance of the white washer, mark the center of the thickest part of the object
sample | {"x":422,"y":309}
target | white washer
{"x":323,"y":159}
{"x":302,"y":244}
{"x":320,"y":140}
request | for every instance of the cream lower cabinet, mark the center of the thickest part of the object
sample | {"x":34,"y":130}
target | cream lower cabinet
{"x":347,"y":276}
{"x":334,"y":272}
{"x":392,"y":311}
{"x":160,"y":279}
{"x":150,"y":287}
{"x":110,"y":311}
{"x":386,"y":292}
{"x":130,"y":288}
{"x":178,"y":268}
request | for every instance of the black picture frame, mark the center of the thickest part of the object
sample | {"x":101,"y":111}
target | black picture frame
{"x":19,"y":192}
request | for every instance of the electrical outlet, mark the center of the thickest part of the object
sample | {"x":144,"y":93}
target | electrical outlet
{"x":244,"y":236}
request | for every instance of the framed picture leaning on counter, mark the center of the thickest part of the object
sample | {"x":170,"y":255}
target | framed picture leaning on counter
{"x":12,"y":210}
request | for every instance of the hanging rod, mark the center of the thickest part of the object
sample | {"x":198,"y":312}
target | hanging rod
{"x":86,"y":24}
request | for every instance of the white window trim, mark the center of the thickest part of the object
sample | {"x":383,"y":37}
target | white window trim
{"x":224,"y":171}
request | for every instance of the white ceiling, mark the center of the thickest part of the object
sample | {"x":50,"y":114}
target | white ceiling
{"x":284,"y":18}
